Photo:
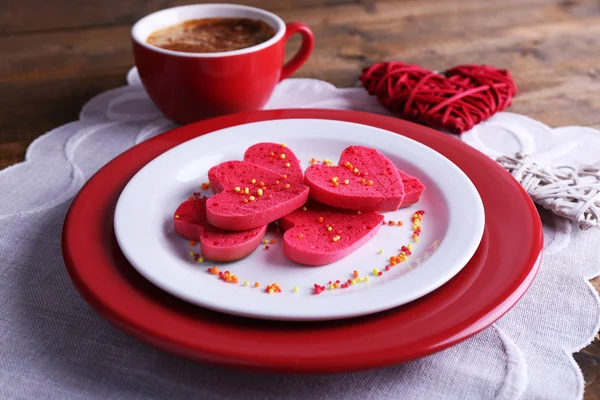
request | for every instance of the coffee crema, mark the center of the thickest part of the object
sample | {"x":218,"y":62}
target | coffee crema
{"x":212,"y":35}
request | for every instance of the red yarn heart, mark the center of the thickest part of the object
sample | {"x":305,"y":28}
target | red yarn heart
{"x":453,"y":101}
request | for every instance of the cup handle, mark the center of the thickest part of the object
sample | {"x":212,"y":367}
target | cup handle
{"x":308,"y":42}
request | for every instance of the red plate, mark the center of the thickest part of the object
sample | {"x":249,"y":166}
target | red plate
{"x":493,"y":281}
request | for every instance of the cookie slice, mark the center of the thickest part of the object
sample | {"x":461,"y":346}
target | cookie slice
{"x":216,"y":244}
{"x":413,"y":189}
{"x":276,"y":157}
{"x":250,"y":196}
{"x":318,"y":234}
{"x":364,"y":180}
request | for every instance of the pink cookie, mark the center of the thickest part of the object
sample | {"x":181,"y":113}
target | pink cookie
{"x":249,"y":196}
{"x":309,"y":241}
{"x":269,"y":155}
{"x":413,"y":189}
{"x":216,"y":244}
{"x":364,"y":180}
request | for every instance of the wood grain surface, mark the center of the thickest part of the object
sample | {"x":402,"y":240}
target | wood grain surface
{"x":56,"y":55}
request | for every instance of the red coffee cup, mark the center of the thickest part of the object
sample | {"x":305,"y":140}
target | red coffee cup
{"x":188,"y":87}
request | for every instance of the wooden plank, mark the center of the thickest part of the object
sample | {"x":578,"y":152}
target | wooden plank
{"x":36,"y":56}
{"x":17,"y":16}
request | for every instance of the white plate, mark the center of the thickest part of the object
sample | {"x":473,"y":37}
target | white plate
{"x":452,"y":226}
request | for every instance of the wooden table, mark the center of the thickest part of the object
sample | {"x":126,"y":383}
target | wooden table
{"x":56,"y":55}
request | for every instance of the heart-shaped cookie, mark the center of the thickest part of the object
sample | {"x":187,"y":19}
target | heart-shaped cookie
{"x":364,"y":180}
{"x":249,"y":196}
{"x":454,"y":101}
{"x":216,"y":244}
{"x":317,"y":234}
{"x":276,"y":157}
